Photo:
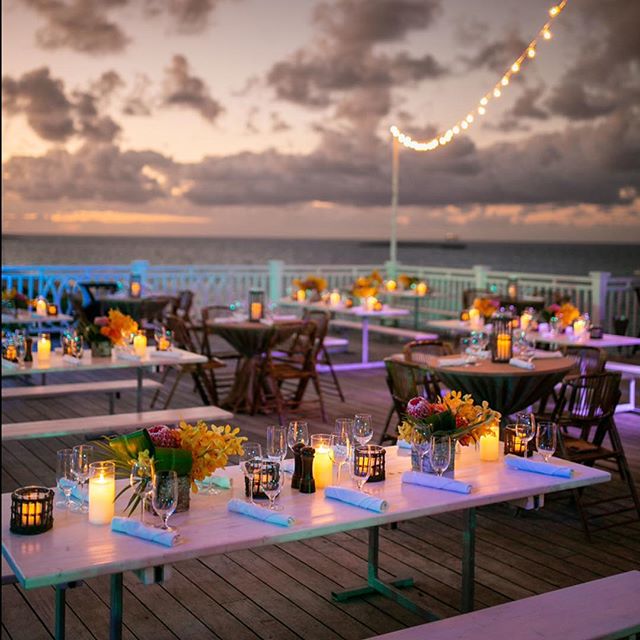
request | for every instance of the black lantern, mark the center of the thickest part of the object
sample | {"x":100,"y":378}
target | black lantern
{"x":513,"y":443}
{"x":502,"y":338}
{"x":375,"y":456}
{"x":31,"y":510}
{"x":512,"y":289}
{"x":256,"y":305}
{"x":135,"y":285}
{"x":257,"y":471}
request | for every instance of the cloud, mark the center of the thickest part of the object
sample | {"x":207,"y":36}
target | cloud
{"x":497,"y":55}
{"x":138,"y":102}
{"x":189,"y":16}
{"x":185,"y":90}
{"x":56,"y":116}
{"x":81,"y":25}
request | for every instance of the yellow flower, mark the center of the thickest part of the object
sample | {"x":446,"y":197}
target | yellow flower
{"x":568,"y":314}
{"x":119,"y":326}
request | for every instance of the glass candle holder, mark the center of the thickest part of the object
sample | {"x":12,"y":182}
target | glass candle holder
{"x":502,"y":338}
{"x":513,"y":443}
{"x":31,"y":510}
{"x":256,"y":305}
{"x":102,"y":492}
{"x":135,"y":285}
{"x":41,"y":306}
{"x":52,"y":310}
{"x":322,"y":465}
{"x":44,"y":347}
{"x":375,"y":456}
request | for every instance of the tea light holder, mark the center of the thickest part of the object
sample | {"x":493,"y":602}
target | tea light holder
{"x":256,"y":305}
{"x":52,"y":310}
{"x":31,"y":510}
{"x":163,"y":342}
{"x":376,"y":455}
{"x":512,"y":289}
{"x":259,"y":474}
{"x":44,"y":347}
{"x":391,"y":285}
{"x":513,"y":443}
{"x":135,"y":285}
{"x":502,"y":338}
{"x":422,"y":288}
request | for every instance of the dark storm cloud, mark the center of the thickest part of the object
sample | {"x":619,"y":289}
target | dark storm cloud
{"x":185,"y":90}
{"x":56,"y":116}
{"x":81,"y":25}
{"x":497,"y":55}
{"x":526,"y":106}
{"x":138,"y":102}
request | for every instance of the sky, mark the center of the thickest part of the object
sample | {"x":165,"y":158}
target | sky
{"x":270,"y":118}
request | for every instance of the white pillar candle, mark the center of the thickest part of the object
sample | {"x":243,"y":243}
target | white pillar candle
{"x":102,"y":493}
{"x":335,"y":298}
{"x":140,"y":344}
{"x":41,"y":307}
{"x":525,"y":320}
{"x":300,"y":295}
{"x":44,"y":348}
{"x":421,"y":289}
{"x":490,"y":445}
{"x":322,"y":465}
{"x":474,"y":318}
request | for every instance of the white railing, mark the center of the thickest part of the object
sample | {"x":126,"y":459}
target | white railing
{"x":604,"y":297}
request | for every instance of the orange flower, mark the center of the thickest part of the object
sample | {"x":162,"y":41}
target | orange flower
{"x":120,"y":325}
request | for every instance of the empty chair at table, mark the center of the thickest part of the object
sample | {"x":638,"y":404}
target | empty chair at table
{"x":422,"y":352}
{"x":182,"y":304}
{"x":588,"y":435}
{"x":289,"y":357}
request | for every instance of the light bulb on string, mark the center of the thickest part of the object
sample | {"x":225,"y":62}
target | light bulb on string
{"x":531,"y":52}
{"x":546,"y":34}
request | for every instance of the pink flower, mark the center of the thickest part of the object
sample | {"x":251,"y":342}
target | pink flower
{"x":101,"y":321}
{"x":418,"y":408}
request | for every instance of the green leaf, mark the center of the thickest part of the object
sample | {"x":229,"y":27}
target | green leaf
{"x":444,"y":422}
{"x":169,"y":459}
{"x":127,"y":447}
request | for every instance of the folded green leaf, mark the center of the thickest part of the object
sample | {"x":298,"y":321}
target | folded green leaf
{"x":169,"y":459}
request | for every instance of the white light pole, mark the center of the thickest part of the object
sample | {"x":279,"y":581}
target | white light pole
{"x":395,"y":170}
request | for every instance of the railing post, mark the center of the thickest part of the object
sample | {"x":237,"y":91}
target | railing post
{"x":139,"y":268}
{"x":275,"y":279}
{"x":391,"y":269}
{"x":480,"y":273}
{"x":599,"y":282}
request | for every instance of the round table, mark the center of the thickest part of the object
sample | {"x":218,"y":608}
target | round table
{"x":506,"y":388}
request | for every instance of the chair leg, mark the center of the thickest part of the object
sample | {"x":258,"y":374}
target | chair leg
{"x":173,"y":390}
{"x":327,"y":359}
{"x":165,"y":374}
{"x":316,"y":384}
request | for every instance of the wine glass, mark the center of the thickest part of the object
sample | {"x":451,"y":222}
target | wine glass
{"x":252,"y":453}
{"x":82,"y":457}
{"x":483,"y":342}
{"x":20,"y":344}
{"x":440,"y":453}
{"x":546,"y":438}
{"x":361,"y":472}
{"x":276,"y":443}
{"x":340,"y":450}
{"x":164,"y":496}
{"x":344,"y":427}
{"x":65,"y":477}
{"x":297,"y":432}
{"x":271,"y":482}
{"x":140,"y":477}
{"x":525,"y":428}
{"x":362,"y":428}
{"x":420,"y":443}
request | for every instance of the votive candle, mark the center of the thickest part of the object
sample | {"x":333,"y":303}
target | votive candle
{"x":301,"y":295}
{"x":421,"y":289}
{"x":525,"y":320}
{"x":102,"y":492}
{"x":322,"y":465}
{"x":41,"y":307}
{"x":140,"y":344}
{"x":44,"y":347}
{"x":335,"y":298}
{"x":255,"y":311}
{"x":391,"y":285}
{"x":490,"y":445}
{"x":474,"y":318}
{"x":503,"y":346}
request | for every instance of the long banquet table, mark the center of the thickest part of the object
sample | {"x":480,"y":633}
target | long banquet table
{"x":75,"y":550}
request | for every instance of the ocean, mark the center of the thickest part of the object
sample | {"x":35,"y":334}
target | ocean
{"x":565,"y":259}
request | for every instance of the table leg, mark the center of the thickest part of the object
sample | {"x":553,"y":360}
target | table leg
{"x":115,"y":616}
{"x":416,"y":312}
{"x":365,"y":340}
{"x":139,"y":372}
{"x":468,"y":559}
{"x":375,"y":585}
{"x":60,"y":611}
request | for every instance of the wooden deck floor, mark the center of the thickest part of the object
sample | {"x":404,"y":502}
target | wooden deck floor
{"x":284,"y":591}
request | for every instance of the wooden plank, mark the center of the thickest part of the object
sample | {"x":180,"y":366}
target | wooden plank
{"x":49,"y":390}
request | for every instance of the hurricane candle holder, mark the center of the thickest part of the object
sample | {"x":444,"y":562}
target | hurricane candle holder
{"x":322,"y":465}
{"x":502,"y":338}
{"x":256,"y":305}
{"x":41,"y":306}
{"x":375,"y":454}
{"x":258,"y":475}
{"x":512,"y":289}
{"x":135,"y":285}
{"x":31,"y":510}
{"x":513,"y":443}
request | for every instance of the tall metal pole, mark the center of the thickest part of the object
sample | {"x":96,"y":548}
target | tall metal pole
{"x":395,"y":170}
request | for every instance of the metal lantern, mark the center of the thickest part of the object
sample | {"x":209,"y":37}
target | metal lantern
{"x":31,"y":510}
{"x":513,"y":443}
{"x":502,"y":338}
{"x":512,"y":289}
{"x":135,"y":285}
{"x":259,"y":474}
{"x":256,"y":305}
{"x":374,"y":455}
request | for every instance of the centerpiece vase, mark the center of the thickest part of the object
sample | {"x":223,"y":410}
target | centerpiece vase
{"x":101,"y":349}
{"x":426,"y":464}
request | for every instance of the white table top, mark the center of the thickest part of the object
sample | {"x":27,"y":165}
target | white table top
{"x":26,"y":317}
{"x":74,"y":549}
{"x":607,"y":341}
{"x":56,"y":364}
{"x":361,"y":312}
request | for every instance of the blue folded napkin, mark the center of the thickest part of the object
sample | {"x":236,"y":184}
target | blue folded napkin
{"x":127,"y":355}
{"x":146,"y":532}
{"x":403,"y":444}
{"x":522,"y":364}
{"x":356,"y":498}
{"x":217,"y":481}
{"x":435,"y":482}
{"x":535,"y":466}
{"x":260,"y":513}
{"x":78,"y":495}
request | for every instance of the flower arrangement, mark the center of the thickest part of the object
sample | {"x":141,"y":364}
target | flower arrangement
{"x":454,"y":415}
{"x":406,"y":281}
{"x":315,"y":283}
{"x":367,"y":286}
{"x":486,"y":306}
{"x":12,"y":299}
{"x":193,"y":451}
{"x":564,"y":310}
{"x":118,"y":326}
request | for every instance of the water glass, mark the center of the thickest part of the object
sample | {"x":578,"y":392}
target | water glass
{"x":83,"y":455}
{"x":546,"y":438}
{"x":362,"y":428}
{"x":344,"y":427}
{"x":20,"y":344}
{"x":252,"y":452}
{"x":271,"y":482}
{"x":164,"y":496}
{"x":65,"y":477}
{"x":440,"y":453}
{"x":361,"y":474}
{"x":340,"y":450}
{"x":141,"y":481}
{"x":297,"y":431}
{"x":276,"y":443}
{"x":525,"y":428}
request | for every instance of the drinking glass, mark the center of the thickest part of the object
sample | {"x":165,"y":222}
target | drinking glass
{"x":297,"y":432}
{"x":271,"y":482}
{"x":344,"y":427}
{"x":361,"y":474}
{"x":546,"y":438}
{"x":65,"y":477}
{"x":276,"y":443}
{"x":440,"y":453}
{"x":252,"y":453}
{"x":483,"y":342}
{"x":20,"y":343}
{"x":164,"y":496}
{"x":340,"y":450}
{"x":141,"y":481}
{"x":77,"y":346}
{"x":82,"y":457}
{"x":362,"y":428}
{"x":525,"y":428}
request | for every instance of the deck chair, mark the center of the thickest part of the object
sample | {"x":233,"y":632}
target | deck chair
{"x":182,"y":304}
{"x":585,"y":411}
{"x":420,"y":352}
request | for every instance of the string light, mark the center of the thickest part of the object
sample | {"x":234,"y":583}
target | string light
{"x":493,"y":94}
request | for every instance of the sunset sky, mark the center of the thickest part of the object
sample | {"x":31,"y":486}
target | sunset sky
{"x":271,"y":118}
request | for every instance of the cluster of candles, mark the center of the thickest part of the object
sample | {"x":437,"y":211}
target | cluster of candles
{"x":43,"y":308}
{"x":421,"y":288}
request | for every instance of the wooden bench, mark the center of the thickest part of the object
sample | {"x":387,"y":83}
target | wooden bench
{"x":631,"y":373}
{"x":109,"y":423}
{"x":111,"y":387}
{"x":399,"y":332}
{"x":606,"y":608}
{"x":334,"y":344}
